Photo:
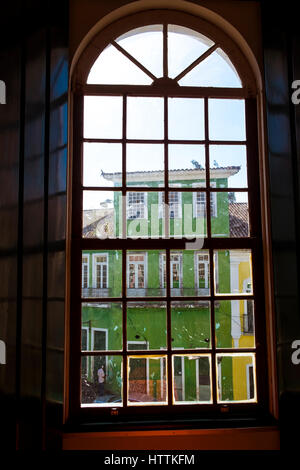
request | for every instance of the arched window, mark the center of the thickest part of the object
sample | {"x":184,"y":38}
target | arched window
{"x":167,"y":307}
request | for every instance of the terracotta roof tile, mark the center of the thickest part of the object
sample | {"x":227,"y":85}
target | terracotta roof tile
{"x":239,"y":219}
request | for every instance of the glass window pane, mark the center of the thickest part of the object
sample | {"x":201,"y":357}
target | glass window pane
{"x":147,"y":380}
{"x":103,"y":117}
{"x":145,"y":164}
{"x":226,"y":119}
{"x":228,"y":166}
{"x":102,"y":214}
{"x":187,"y":165}
{"x":236,"y":377}
{"x":229,"y":214}
{"x":101,"y":381}
{"x":103,"y":324}
{"x":146,"y":325}
{"x":184,"y":46}
{"x":234,"y":323}
{"x":101,"y":163}
{"x":187,"y":214}
{"x":233,"y":271}
{"x":146,"y":45}
{"x":145,"y":118}
{"x":191,"y":379}
{"x":189,"y":272}
{"x":186,"y":118}
{"x":190,"y":325}
{"x":214,"y":71}
{"x":113,"y":68}
{"x":105,"y":274}
{"x":143,"y":274}
{"x":145,"y":214}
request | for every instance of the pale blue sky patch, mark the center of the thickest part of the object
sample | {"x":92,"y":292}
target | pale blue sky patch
{"x":145,"y":45}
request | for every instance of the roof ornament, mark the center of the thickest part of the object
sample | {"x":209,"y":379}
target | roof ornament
{"x":197,"y":165}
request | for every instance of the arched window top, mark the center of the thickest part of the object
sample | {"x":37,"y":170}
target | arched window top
{"x":146,"y":54}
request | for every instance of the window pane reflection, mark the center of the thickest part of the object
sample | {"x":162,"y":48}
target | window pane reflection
{"x":102,"y":214}
{"x":186,"y":118}
{"x":147,"y":382}
{"x":229,"y":214}
{"x":143,"y":274}
{"x":145,"y":118}
{"x":146,"y":325}
{"x":236,"y":377}
{"x":234,"y":323}
{"x":191,"y":379}
{"x":101,"y":273}
{"x":103,"y":117}
{"x":100,"y":163}
{"x":190,"y":323}
{"x":102,"y":324}
{"x":233,"y":271}
{"x":101,"y":381}
{"x":226,"y":119}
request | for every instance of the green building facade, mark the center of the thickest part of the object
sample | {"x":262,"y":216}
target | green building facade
{"x":146,"y":321}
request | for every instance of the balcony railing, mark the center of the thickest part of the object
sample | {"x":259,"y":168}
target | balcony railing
{"x":90,"y":292}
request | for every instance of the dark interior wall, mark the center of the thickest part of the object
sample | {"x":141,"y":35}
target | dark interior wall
{"x":33,"y":139}
{"x":10,"y":73}
{"x":281,"y":40}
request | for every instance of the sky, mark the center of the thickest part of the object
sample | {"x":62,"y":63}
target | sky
{"x":145,"y":117}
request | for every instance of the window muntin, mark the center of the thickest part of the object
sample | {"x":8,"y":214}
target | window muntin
{"x":209,"y":133}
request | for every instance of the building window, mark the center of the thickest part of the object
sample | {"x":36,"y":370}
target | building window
{"x":175,"y":271}
{"x":199,"y":201}
{"x":175,"y":208}
{"x":174,"y":127}
{"x":100,"y":261}
{"x":136,"y":271}
{"x":202,"y":271}
{"x":85,"y":272}
{"x":136,"y":205}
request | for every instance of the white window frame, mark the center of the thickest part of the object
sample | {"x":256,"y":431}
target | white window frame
{"x":206,"y":268}
{"x":162,"y":270}
{"x":144,"y":205}
{"x":161,"y":203}
{"x":83,"y":265}
{"x":95,"y":263}
{"x":93,"y":330}
{"x":213,"y":199}
{"x":130,"y":253}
